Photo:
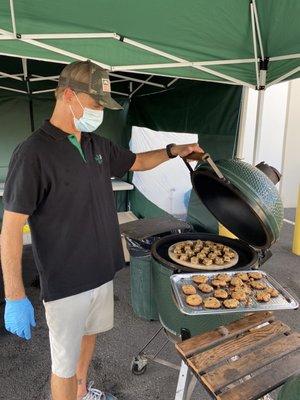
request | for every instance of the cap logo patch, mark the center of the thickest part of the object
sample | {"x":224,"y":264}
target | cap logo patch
{"x":105,"y":85}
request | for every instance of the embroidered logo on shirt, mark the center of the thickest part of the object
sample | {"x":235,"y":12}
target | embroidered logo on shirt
{"x":98,"y":158}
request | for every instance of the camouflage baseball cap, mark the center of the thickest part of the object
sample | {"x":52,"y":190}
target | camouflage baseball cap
{"x":87,"y":77}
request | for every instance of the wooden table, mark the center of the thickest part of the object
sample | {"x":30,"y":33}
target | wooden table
{"x":243,"y":360}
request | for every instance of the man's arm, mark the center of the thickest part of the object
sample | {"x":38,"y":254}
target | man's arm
{"x":151,"y":159}
{"x":11,"y":254}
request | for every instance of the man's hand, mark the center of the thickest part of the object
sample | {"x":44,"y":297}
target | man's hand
{"x":19,"y":317}
{"x":191,"y":151}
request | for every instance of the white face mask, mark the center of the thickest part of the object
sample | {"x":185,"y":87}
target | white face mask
{"x":90,"y":120}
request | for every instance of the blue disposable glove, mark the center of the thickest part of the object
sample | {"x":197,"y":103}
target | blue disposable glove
{"x":19,"y":317}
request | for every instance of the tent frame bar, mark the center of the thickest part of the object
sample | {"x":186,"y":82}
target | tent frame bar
{"x":262,"y":53}
{"x":140,"y":86}
{"x":12,"y":89}
{"x":254,"y":44}
{"x":281,"y":78}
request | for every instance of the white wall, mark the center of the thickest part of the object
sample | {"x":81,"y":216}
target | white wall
{"x":279,"y":130}
{"x":291,"y":160}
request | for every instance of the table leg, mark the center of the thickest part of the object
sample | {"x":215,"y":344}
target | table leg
{"x":185,"y":384}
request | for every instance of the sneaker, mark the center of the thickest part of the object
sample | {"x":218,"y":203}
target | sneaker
{"x":95,"y":394}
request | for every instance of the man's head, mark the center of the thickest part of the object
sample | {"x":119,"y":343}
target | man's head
{"x":81,"y":85}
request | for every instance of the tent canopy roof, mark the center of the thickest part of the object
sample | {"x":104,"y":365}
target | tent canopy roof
{"x":229,"y":41}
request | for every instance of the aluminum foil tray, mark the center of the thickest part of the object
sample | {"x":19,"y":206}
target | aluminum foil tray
{"x":284,"y":301}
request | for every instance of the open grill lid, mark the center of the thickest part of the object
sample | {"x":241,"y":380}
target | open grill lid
{"x":246,"y":202}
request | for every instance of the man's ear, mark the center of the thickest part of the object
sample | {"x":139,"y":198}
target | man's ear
{"x":68,"y":95}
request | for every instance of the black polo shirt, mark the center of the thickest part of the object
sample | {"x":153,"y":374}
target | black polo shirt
{"x":65,"y":188}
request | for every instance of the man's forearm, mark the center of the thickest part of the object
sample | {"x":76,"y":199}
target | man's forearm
{"x":11,"y":262}
{"x":151,"y":159}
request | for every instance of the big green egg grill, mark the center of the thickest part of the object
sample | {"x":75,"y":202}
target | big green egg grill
{"x":243,"y":199}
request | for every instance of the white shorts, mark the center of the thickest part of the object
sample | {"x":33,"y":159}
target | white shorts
{"x":70,"y":318}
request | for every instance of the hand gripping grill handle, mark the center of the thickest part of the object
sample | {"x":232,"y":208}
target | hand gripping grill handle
{"x":203,"y":157}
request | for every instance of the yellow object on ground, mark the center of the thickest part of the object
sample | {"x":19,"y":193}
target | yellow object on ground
{"x":296,"y":241}
{"x":26,"y":228}
{"x":225,"y":232}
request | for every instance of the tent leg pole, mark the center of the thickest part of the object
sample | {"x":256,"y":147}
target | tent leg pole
{"x":257,"y":138}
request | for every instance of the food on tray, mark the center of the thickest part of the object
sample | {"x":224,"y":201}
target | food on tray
{"x":211,"y":302}
{"x":198,"y":253}
{"x":200,"y":279}
{"x":220,"y":294}
{"x":243,"y":276}
{"x":236,"y":281}
{"x":273,"y":292}
{"x":188,"y":289}
{"x":219,"y":260}
{"x":255,"y":275}
{"x":193,"y":300}
{"x":218,"y":283}
{"x":239,"y":295}
{"x":207,"y":261}
{"x":245,"y":288}
{"x":205,"y":288}
{"x":224,"y":277}
{"x":258,"y":285}
{"x":195,"y":260}
{"x":231,"y":303}
{"x":263,"y":296}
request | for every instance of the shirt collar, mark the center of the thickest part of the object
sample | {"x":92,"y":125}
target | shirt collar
{"x":58,"y":134}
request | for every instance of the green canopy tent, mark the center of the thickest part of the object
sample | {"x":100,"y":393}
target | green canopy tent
{"x":254,"y":43}
{"x":143,"y":44}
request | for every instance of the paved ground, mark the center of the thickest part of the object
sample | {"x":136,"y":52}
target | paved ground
{"x":25,"y":366}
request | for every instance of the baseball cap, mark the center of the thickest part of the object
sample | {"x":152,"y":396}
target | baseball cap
{"x":87,"y":77}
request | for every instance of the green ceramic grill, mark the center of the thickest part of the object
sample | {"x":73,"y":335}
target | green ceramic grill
{"x":242,"y":198}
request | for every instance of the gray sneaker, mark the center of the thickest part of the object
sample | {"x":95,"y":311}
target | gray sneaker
{"x":95,"y":394}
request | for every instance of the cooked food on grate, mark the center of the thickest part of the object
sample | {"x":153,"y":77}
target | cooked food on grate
{"x":211,"y":302}
{"x":205,"y":288}
{"x":239,"y":295}
{"x":243,"y":276}
{"x":193,"y":300}
{"x":258,"y":285}
{"x":255,"y":275}
{"x":224,"y":277}
{"x":218,"y":283}
{"x":231,"y":303}
{"x":273,"y":292}
{"x":220,"y":294}
{"x":210,"y":255}
{"x":188,"y":289}
{"x":263,"y":296}
{"x":236,"y":281}
{"x":200,"y":279}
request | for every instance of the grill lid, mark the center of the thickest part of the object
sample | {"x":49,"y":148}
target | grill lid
{"x":246,"y":202}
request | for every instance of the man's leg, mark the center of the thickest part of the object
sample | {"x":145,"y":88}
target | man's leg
{"x":63,"y":388}
{"x":86,"y":353}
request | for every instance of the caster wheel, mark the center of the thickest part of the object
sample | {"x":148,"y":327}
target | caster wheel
{"x":138,"y":365}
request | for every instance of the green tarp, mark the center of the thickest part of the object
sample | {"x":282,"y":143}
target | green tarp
{"x":204,"y":39}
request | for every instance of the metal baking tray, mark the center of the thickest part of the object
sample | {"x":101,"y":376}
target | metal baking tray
{"x":284,"y":301}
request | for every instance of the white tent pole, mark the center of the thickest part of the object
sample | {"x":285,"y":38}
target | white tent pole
{"x":5,"y":75}
{"x":242,"y":122}
{"x":172,"y":81}
{"x":13,"y":76}
{"x":13,"y":19}
{"x":141,"y":85}
{"x":262,"y":53}
{"x":286,"y":57}
{"x":70,"y":36}
{"x":258,"y":125}
{"x":254,"y":44}
{"x":136,"y":80}
{"x":281,"y":78}
{"x":12,"y":90}
{"x":34,"y":58}
{"x":38,"y":78}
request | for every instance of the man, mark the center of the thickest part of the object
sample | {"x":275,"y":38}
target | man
{"x":59,"y":179}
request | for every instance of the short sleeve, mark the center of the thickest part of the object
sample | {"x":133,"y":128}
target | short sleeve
{"x":23,"y":188}
{"x":121,"y":160}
